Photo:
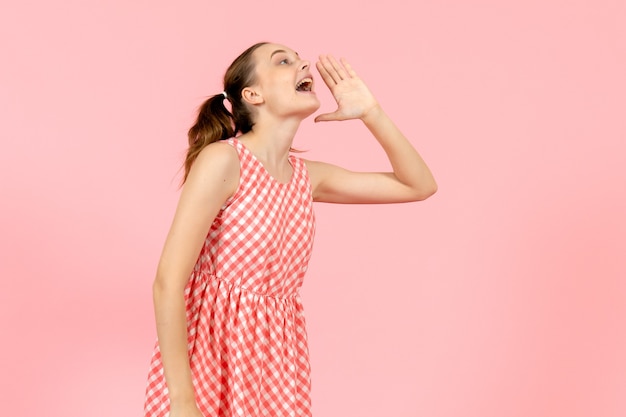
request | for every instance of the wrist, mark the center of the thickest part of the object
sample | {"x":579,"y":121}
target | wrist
{"x":372,"y":115}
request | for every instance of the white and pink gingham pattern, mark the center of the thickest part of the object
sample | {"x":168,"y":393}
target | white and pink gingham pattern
{"x":247,"y":339}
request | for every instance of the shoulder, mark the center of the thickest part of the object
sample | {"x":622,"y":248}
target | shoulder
{"x":217,"y":165}
{"x":313,"y":166}
{"x":220,"y":152}
{"x":320,"y":173}
{"x":217,"y":157}
{"x":314,"y":170}
{"x":319,"y":170}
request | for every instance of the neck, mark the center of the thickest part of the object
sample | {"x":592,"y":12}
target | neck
{"x":270,"y":140}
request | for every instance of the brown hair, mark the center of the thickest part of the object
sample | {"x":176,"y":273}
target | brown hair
{"x":214,"y":121}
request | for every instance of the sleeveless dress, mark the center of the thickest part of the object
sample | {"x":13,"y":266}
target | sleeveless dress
{"x":247,"y":341}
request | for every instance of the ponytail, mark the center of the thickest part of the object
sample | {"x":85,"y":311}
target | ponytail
{"x":214,"y":123}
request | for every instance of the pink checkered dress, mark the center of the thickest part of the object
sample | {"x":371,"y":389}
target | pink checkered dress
{"x":247,"y":340}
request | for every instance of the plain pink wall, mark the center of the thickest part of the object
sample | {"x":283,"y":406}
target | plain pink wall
{"x":504,"y":295}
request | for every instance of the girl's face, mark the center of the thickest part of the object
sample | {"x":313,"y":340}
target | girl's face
{"x":284,"y":82}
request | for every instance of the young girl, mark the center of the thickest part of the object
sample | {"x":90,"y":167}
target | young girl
{"x":230,"y":324}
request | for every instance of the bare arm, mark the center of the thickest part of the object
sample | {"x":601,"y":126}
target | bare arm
{"x":213,"y":178}
{"x":411,"y":179}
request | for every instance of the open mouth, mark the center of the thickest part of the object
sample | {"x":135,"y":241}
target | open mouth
{"x":305,"y":85}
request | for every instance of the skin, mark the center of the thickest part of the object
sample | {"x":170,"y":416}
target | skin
{"x":214,"y":176}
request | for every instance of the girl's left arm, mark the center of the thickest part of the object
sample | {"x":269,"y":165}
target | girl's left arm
{"x":411,"y":179}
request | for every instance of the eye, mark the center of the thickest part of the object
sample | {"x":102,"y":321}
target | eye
{"x":284,"y":61}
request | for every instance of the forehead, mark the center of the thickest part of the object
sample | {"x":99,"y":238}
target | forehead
{"x":265,"y":52}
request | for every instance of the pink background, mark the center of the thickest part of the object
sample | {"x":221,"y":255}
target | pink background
{"x":503,"y":295}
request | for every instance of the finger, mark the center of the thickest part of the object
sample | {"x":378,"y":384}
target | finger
{"x":338,"y":68}
{"x":330,"y":82}
{"x":330,"y":68}
{"x":328,"y":117}
{"x":349,"y":68}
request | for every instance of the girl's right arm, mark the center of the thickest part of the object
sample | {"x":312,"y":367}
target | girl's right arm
{"x":213,"y":178}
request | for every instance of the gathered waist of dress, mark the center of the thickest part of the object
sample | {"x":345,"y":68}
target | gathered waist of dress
{"x":266,"y":291}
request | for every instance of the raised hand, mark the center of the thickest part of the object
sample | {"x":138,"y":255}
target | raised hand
{"x":354,"y":99}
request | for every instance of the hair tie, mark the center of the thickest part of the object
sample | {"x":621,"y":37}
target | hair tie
{"x":224,"y":94}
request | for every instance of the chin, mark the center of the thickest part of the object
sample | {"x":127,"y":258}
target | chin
{"x":313,"y":109}
{"x":315,"y":105}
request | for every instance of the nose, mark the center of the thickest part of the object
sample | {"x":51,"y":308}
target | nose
{"x":304,"y":65}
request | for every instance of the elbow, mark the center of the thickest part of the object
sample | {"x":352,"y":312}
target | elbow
{"x":158,"y":289}
{"x":160,"y":282}
{"x":424,"y":192}
{"x":433,"y":189}
{"x":164,"y":287}
{"x":157,"y":286}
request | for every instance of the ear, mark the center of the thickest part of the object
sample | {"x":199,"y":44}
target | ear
{"x":251,"y":96}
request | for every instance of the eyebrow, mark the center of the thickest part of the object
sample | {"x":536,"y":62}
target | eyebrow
{"x":281,"y":50}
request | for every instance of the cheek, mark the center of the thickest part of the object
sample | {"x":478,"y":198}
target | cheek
{"x":280,"y":90}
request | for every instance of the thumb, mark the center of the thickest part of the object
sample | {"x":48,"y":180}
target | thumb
{"x":328,"y":117}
